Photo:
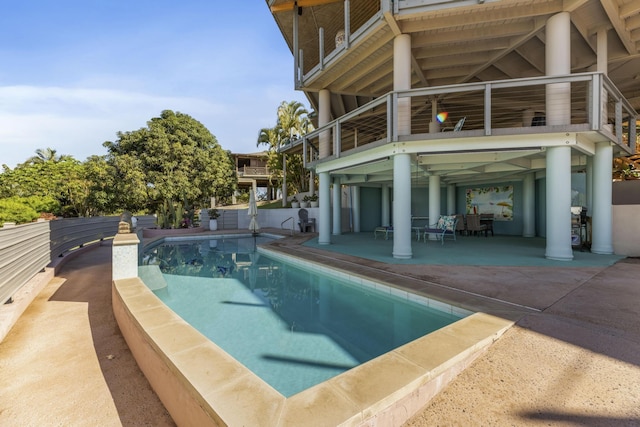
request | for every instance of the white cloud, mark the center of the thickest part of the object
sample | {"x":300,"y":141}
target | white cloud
{"x":76,"y":121}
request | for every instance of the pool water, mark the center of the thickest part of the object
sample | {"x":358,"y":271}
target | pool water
{"x":292,"y":327}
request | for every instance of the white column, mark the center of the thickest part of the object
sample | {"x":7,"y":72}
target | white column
{"x":559,"y":204}
{"x":434,"y":124}
{"x":589,"y":179}
{"x":558,"y":112}
{"x":528,"y":206}
{"x":558,"y":62}
{"x":602,"y":216}
{"x":336,"y":192}
{"x":402,"y":80}
{"x":402,"y":206}
{"x":312,"y":182}
{"x":385,"y":202}
{"x":284,"y":180}
{"x":451,"y":199}
{"x":434,"y":201}
{"x":324,"y":226}
{"x":355,"y":207}
{"x":402,"y":162}
{"x":324,"y":117}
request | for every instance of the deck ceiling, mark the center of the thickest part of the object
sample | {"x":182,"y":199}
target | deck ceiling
{"x":458,"y":42}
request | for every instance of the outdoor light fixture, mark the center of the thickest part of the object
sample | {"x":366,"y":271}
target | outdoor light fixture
{"x":441,"y":117}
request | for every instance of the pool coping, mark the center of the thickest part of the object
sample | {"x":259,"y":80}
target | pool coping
{"x":200,"y":384}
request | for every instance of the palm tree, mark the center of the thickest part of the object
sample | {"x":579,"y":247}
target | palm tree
{"x":45,"y":155}
{"x":293,"y":122}
{"x":292,"y":118}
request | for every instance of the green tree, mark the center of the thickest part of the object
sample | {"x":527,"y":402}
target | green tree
{"x":175,"y":158}
{"x":60,"y":179}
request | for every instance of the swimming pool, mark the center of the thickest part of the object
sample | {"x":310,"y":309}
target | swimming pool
{"x":294,"y":327}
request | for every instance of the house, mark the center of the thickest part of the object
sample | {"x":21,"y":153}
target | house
{"x":427,"y":106}
{"x":252,"y":172}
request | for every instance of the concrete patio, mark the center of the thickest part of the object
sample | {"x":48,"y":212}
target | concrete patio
{"x":574,"y":359}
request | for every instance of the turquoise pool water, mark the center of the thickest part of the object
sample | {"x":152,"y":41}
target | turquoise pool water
{"x":292,"y":327}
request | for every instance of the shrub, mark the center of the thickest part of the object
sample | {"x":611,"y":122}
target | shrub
{"x":15,"y":210}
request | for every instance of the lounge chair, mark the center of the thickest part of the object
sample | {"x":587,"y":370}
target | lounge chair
{"x":457,"y":127}
{"x":446,"y":226}
{"x":305,"y":222}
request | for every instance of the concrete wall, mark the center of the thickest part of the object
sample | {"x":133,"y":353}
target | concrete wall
{"x":626,"y":218}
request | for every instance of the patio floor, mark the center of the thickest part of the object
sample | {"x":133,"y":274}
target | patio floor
{"x":573,"y":358}
{"x":465,"y":250}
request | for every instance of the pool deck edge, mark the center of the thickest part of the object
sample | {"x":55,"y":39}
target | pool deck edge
{"x":200,"y":384}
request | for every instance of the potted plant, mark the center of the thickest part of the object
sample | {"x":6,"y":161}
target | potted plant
{"x":213,"y":219}
{"x":313,"y":200}
{"x":305,"y":202}
{"x":294,"y":202}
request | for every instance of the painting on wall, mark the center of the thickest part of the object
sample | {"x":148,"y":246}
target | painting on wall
{"x":495,"y":200}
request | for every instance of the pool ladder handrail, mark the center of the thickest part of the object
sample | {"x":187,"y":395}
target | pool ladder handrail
{"x":292,"y":224}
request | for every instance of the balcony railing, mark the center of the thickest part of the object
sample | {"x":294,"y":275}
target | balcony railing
{"x":247,"y":171}
{"x":501,"y":107}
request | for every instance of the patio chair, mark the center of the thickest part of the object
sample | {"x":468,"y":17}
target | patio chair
{"x":384,"y":230}
{"x":457,"y":127}
{"x":474,"y":226}
{"x":446,"y":226}
{"x":460,"y":226}
{"x":487,"y":219}
{"x":305,"y":222}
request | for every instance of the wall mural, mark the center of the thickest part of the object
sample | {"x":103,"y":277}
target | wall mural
{"x":495,"y":200}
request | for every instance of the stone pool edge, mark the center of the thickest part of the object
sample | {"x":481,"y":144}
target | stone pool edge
{"x":200,"y":384}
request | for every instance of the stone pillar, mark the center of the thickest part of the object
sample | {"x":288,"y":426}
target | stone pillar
{"x":124,"y":256}
{"x":402,"y":206}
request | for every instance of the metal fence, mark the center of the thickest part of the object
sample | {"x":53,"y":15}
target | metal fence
{"x":27,"y":249}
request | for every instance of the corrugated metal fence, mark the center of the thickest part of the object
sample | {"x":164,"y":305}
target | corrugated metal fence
{"x":27,"y":249}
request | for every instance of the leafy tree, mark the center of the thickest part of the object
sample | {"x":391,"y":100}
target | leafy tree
{"x":175,"y":158}
{"x":60,"y":179}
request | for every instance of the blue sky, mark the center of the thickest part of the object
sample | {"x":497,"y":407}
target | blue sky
{"x":75,"y":72}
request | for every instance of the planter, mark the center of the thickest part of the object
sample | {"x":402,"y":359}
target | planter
{"x":304,"y":204}
{"x":213,"y":224}
{"x":295,"y":204}
{"x":314,"y":204}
